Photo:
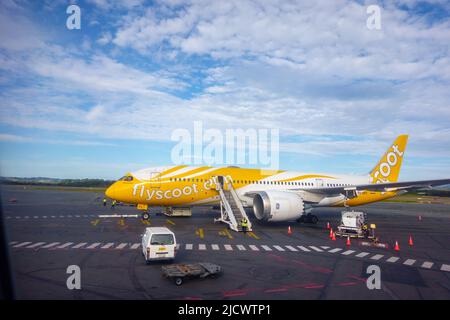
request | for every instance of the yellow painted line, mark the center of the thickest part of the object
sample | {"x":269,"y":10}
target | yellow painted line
{"x":200,"y":233}
{"x":121,"y":222}
{"x":95,"y":222}
{"x":251,"y":234}
{"x":146,"y":222}
{"x":226,"y":233}
{"x":170,"y":221}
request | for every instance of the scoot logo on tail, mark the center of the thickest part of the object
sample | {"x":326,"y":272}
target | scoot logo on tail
{"x":388,"y":169}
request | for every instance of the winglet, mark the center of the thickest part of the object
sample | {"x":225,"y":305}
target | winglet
{"x":388,"y":168}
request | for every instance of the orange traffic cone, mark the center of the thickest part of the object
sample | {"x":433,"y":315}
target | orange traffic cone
{"x":410,"y":242}
{"x":289,"y":230}
{"x":331,"y":233}
{"x":328,"y":225}
{"x":397,"y":247}
{"x":333,"y":237}
{"x":348,"y":241}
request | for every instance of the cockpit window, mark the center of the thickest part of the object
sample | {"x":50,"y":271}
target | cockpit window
{"x":126,"y":178}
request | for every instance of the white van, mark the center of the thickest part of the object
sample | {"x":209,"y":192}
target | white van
{"x":158,"y":243}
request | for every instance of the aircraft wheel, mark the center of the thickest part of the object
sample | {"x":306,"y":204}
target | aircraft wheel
{"x":145,"y":216}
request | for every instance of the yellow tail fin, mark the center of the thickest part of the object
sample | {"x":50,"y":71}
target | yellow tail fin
{"x":388,"y":168}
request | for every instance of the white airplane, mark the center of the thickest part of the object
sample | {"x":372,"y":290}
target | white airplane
{"x":276,"y":196}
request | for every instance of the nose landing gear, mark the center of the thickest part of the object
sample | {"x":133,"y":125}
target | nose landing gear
{"x":145,"y":215}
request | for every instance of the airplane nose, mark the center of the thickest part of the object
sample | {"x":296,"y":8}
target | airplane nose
{"x":110,"y":192}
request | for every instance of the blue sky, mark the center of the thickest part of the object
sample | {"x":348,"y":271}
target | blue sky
{"x":105,"y":99}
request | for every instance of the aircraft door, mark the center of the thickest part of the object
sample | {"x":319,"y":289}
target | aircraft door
{"x":155,"y":180}
{"x":319,"y":183}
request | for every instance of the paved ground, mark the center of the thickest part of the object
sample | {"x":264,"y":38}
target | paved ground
{"x":50,"y":230}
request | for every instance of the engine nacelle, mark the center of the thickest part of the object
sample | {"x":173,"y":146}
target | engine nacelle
{"x":278,"y":206}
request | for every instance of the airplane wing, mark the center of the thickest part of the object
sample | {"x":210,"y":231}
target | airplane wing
{"x":383,"y":187}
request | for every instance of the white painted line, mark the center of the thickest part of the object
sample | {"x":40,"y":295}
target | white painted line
{"x":121,"y":246}
{"x":316,"y":249}
{"x":22,"y":244}
{"x":53,"y":217}
{"x":445,"y":267}
{"x":279,"y":248}
{"x":409,"y":262}
{"x":17,"y":217}
{"x":62,"y":216}
{"x":50,"y":245}
{"x":427,"y":265}
{"x":348,"y":252}
{"x":69,"y":216}
{"x":45,"y":217}
{"x":13,"y":242}
{"x":303,"y":248}
{"x":228,"y":247}
{"x":325,"y":247}
{"x":94,"y":245}
{"x":362,"y":254}
{"x":135,"y":246}
{"x":36,"y":217}
{"x":377,"y":257}
{"x":241,"y":247}
{"x":78,"y":246}
{"x":253,"y":247}
{"x":34,"y":245}
{"x":108,"y":245}
{"x":202,"y":247}
{"x":77,"y":216}
{"x":335,"y":250}
{"x":189,"y":246}
{"x":291,"y":248}
{"x":178,"y":246}
{"x":267,"y":248}
{"x":393,"y":259}
{"x":65,"y":245}
{"x":117,"y":216}
{"x":215,"y":246}
{"x":26,"y":217}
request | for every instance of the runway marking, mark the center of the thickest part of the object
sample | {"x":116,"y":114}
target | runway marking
{"x":215,"y":247}
{"x":325,"y":247}
{"x":226,"y":233}
{"x":362,"y":254}
{"x":200,"y":233}
{"x":34,"y":245}
{"x":135,"y":246}
{"x":377,"y":257}
{"x":178,"y":246}
{"x":409,"y":262}
{"x":228,"y":247}
{"x":69,"y":216}
{"x":121,"y":222}
{"x":253,"y":235}
{"x":62,"y":216}
{"x":116,"y":216}
{"x":26,"y":217}
{"x":17,"y":217}
{"x":35,"y":217}
{"x":253,"y":247}
{"x":316,"y":249}
{"x":335,"y":250}
{"x":291,"y":248}
{"x":427,"y":265}
{"x":445,"y":267}
{"x":121,"y":246}
{"x":47,"y":246}
{"x":279,"y":248}
{"x":108,"y":245}
{"x":267,"y":248}
{"x":53,"y":217}
{"x":79,"y":245}
{"x":84,"y":215}
{"x":78,"y":216}
{"x":189,"y":246}
{"x":146,"y":222}
{"x":348,"y":252}
{"x":22,"y":244}
{"x":393,"y":259}
{"x":303,"y":248}
{"x":95,"y":222}
{"x":202,"y":247}
{"x":65,"y":245}
{"x":13,"y":242}
{"x":170,"y":221}
{"x":45,"y":217}
{"x":94,"y":245}
{"x":241,"y":247}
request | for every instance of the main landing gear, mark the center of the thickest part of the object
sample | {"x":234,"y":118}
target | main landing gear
{"x":309,"y":218}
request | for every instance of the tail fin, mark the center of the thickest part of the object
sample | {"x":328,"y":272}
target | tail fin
{"x":388,"y":168}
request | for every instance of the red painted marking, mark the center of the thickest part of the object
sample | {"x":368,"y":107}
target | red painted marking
{"x":317,"y":286}
{"x":313,"y":268}
{"x":344,"y":284}
{"x":357,"y":278}
{"x":234,"y":294}
{"x":275,"y":290}
{"x":192,"y":298}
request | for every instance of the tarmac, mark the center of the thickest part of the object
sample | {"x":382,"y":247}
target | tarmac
{"x":49,"y":230}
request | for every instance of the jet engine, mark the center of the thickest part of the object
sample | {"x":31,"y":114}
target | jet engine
{"x":278,"y":206}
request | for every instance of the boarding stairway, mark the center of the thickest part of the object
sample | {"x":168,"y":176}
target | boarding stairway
{"x":231,"y":209}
